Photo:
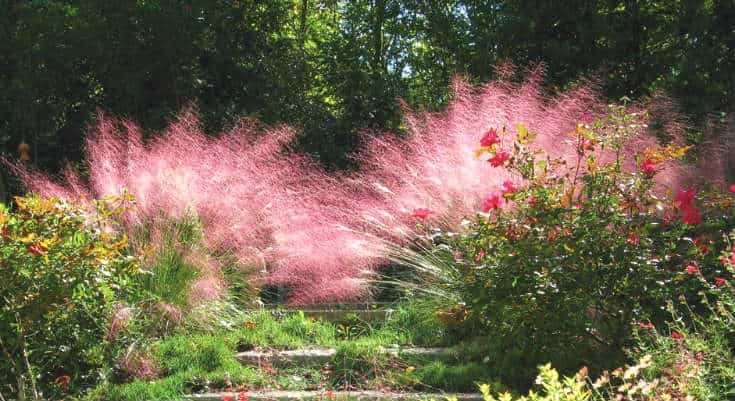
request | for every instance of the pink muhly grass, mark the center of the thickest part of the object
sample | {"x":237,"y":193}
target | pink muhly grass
{"x":271,"y":209}
{"x":323,"y":235}
{"x":421,"y":212}
{"x":138,"y":366}
{"x":206,"y":264}
{"x":205,"y":289}
{"x":120,"y":319}
{"x":170,"y":313}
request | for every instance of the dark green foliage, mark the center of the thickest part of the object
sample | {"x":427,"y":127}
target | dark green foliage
{"x":332,"y":67}
{"x":564,"y":274}
{"x":694,"y":359}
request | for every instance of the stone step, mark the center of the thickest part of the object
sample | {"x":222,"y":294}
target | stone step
{"x":331,"y":306}
{"x":333,"y":395}
{"x":335,"y":315}
{"x":323,"y":355}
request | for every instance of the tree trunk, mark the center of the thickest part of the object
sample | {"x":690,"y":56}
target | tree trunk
{"x":378,"y":37}
{"x":302,"y":27}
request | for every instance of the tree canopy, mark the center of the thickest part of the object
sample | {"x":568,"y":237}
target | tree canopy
{"x":333,"y":67}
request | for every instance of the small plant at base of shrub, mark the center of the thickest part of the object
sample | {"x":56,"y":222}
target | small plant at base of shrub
{"x":62,"y":269}
{"x":552,"y":388}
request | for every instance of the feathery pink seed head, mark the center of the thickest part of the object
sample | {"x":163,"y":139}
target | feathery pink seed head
{"x":320,"y":234}
{"x":120,"y":319}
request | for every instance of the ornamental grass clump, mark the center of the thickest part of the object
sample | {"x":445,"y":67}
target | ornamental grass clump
{"x":274,"y":213}
{"x":323,"y":236}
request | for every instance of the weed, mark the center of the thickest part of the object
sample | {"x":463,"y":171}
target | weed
{"x":359,"y":362}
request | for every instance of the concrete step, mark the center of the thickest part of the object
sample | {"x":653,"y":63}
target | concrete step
{"x":331,"y":306}
{"x":368,"y":311}
{"x":320,"y":356}
{"x":333,"y":395}
{"x":335,"y":315}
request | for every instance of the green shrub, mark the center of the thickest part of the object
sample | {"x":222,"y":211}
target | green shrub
{"x":692,"y":357}
{"x":62,"y":269}
{"x":415,"y":322}
{"x":580,"y":253}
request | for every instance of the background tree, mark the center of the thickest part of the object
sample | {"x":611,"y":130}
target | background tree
{"x":333,"y":67}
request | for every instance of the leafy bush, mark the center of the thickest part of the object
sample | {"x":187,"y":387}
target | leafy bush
{"x":695,"y":360}
{"x":62,"y":270}
{"x":566,"y":256}
{"x":682,"y":365}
